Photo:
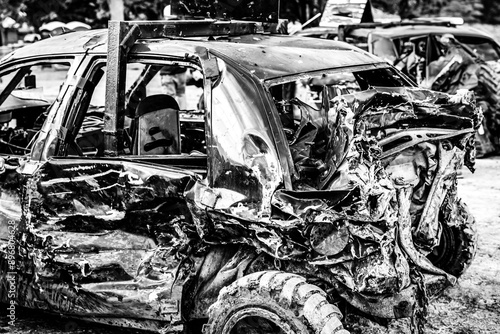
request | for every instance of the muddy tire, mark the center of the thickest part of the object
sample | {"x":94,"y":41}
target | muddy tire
{"x":458,"y":243}
{"x":273,"y":302}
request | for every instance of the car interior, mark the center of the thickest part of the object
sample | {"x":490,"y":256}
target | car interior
{"x":27,"y":92}
{"x":164,"y":118}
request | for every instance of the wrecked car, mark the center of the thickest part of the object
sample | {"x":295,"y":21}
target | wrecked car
{"x":387,"y":39}
{"x":415,"y":47}
{"x":301,"y":178}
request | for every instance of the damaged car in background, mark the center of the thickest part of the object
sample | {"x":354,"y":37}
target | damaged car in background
{"x":437,"y":54}
{"x":304,"y":181}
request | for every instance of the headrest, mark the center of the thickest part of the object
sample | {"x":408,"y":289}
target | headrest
{"x":156,"y":102}
{"x":5,"y":117}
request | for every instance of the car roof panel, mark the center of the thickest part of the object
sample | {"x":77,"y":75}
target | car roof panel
{"x":269,"y":57}
{"x":265,"y":56}
{"x":66,"y":44}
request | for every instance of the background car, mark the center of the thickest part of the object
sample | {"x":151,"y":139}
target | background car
{"x":387,"y":40}
{"x":415,"y":47}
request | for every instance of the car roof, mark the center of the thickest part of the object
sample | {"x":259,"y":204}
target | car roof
{"x":400,"y":31}
{"x":265,"y":56}
{"x":71,"y":43}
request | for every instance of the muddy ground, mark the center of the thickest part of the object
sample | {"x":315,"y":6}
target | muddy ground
{"x":470,"y":307}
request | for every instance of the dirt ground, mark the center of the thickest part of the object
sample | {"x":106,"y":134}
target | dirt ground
{"x":473,"y":306}
{"x":470,"y":307}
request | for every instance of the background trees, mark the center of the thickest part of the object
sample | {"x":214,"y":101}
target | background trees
{"x":470,"y":10}
{"x":97,"y":12}
{"x":491,"y":12}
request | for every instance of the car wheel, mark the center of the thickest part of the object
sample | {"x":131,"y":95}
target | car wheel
{"x":273,"y":302}
{"x":458,"y":243}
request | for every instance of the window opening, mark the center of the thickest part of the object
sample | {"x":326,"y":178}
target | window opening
{"x":164,"y":114}
{"x":27,"y":92}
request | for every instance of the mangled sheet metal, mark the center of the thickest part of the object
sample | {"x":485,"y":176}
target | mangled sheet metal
{"x":125,"y":240}
{"x":375,"y":168}
{"x":102,"y":242}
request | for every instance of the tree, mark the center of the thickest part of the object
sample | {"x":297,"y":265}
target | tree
{"x":492,"y":12}
{"x":96,"y":13}
{"x":460,"y":8}
{"x":39,"y":12}
{"x":469,"y":10}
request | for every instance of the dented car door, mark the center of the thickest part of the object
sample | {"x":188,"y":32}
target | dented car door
{"x":107,"y":227}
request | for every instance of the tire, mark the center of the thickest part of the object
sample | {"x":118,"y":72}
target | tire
{"x":458,"y":243}
{"x":273,"y":302}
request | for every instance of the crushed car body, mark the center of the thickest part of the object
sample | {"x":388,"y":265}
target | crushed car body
{"x":303,"y":170}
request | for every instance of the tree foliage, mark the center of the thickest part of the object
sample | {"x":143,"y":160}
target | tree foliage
{"x":469,"y":10}
{"x":491,"y":12}
{"x":96,"y":12}
{"x":93,"y":12}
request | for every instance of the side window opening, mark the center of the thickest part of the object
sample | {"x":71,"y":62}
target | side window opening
{"x":86,"y":135}
{"x":83,"y":124}
{"x":414,"y":55}
{"x":27,"y":92}
{"x":164,"y":115}
{"x":165,"y":111}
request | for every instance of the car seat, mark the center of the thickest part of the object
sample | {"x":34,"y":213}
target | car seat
{"x":156,"y":128}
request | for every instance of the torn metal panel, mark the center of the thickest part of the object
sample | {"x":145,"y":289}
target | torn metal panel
{"x":104,"y":240}
{"x":357,"y":227}
{"x":405,"y":238}
{"x":214,"y":269}
{"x":450,"y":161}
{"x":148,"y":244}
